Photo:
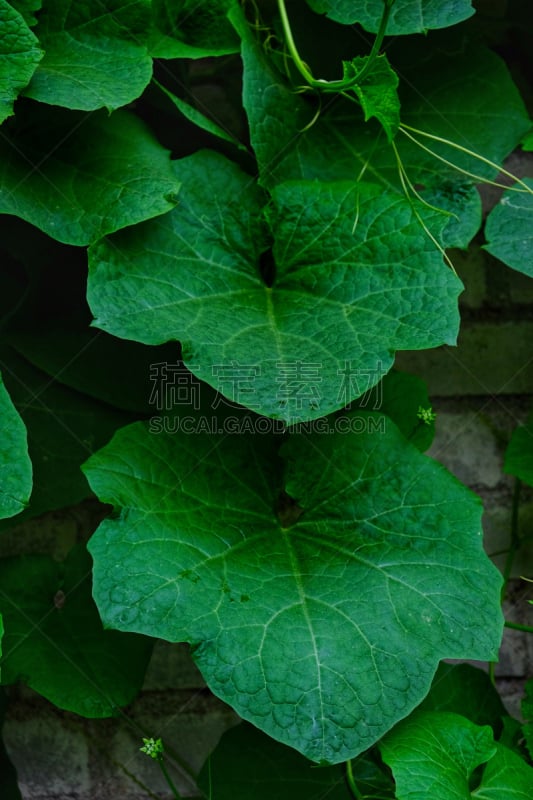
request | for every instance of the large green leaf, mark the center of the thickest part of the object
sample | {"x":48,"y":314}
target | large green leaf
{"x":247,"y":764}
{"x":322,"y":624}
{"x":95,"y":56}
{"x":470,"y":99}
{"x":119,"y":372}
{"x":78,"y":177}
{"x":15,"y":464}
{"x":191,"y":29}
{"x":407,"y":16}
{"x":64,"y":428}
{"x":54,"y":640}
{"x":509,"y":229}
{"x":441,"y":751}
{"x":519,"y":453}
{"x":19,"y":55}
{"x":355,"y":279}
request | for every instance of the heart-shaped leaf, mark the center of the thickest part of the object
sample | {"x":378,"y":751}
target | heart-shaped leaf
{"x":78,"y":177}
{"x":323,"y":623}
{"x":351,"y":278}
{"x":442,"y":750}
{"x":407,"y":16}
{"x":55,"y":642}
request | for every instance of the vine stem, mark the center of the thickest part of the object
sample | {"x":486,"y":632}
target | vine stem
{"x":516,"y":626}
{"x":321,"y":83}
{"x":302,"y":69}
{"x":168,"y":779}
{"x":405,"y":130}
{"x":378,"y":41}
{"x":515,"y":538}
{"x":351,"y":782}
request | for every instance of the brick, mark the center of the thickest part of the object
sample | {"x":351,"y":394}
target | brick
{"x":465,"y":444}
{"x":490,"y":359}
{"x":172,"y":667}
{"x":51,"y":760}
{"x":497,"y":531}
{"x":189,"y":723}
{"x":470,"y":267}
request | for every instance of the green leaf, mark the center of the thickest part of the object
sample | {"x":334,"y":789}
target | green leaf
{"x":95,"y":56}
{"x":506,"y":776}
{"x":198,"y":118}
{"x":377,"y":91}
{"x":527,"y":142}
{"x":55,"y":642}
{"x":407,"y":16}
{"x":333,"y":308}
{"x":247,"y":764}
{"x":470,"y":99}
{"x":443,"y":750}
{"x":440,"y":750}
{"x":28,"y":9}
{"x":465,"y":690}
{"x":400,"y":396}
{"x":117,"y":371}
{"x":519,"y":453}
{"x":19,"y":56}
{"x":192,"y":29}
{"x":96,"y":174}
{"x":64,"y":428}
{"x":324,"y":625}
{"x":509,"y":229}
{"x":15,"y":464}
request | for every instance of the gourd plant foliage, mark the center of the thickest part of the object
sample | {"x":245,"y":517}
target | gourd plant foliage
{"x":265,"y":194}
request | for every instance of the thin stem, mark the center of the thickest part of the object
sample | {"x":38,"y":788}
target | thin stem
{"x":321,"y":83}
{"x":351,"y":782}
{"x":404,"y":181}
{"x":168,"y":779}
{"x":378,"y":41}
{"x":414,"y":191}
{"x":515,"y":538}
{"x":516,"y":626}
{"x":526,"y":189}
{"x":301,"y":67}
